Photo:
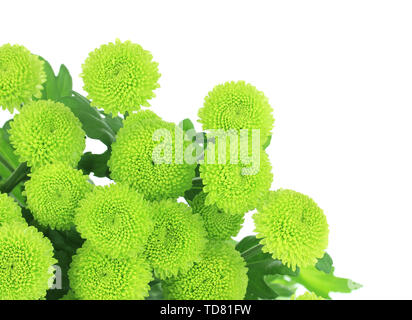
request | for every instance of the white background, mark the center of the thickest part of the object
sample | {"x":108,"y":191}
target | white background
{"x":337,"y":73}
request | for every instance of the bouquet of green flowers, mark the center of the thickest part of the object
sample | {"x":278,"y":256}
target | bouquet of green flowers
{"x":163,"y":229}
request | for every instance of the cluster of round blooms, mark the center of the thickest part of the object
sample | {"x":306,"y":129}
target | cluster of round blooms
{"x":135,"y":228}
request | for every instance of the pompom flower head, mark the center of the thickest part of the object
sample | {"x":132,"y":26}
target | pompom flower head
{"x":115,"y":219}
{"x":235,"y":187}
{"x":9,"y":210}
{"x":292,"y":228}
{"x":148,"y":163}
{"x":307,"y":296}
{"x":218,"y":224}
{"x":220,"y":275}
{"x":26,"y":260}
{"x":177,"y":240}
{"x":21,"y":76}
{"x":237,"y":105}
{"x":53,"y":194}
{"x":99,"y":276}
{"x":120,"y":77}
{"x":46,"y":132}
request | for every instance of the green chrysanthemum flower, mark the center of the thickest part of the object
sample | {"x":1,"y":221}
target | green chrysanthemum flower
{"x":26,"y":260}
{"x":120,"y":77}
{"x":292,"y":227}
{"x":236,"y":188}
{"x":53,"y":194}
{"x":97,"y":276}
{"x":218,"y":224}
{"x":115,"y":219}
{"x":237,"y":105}
{"x":46,"y":132}
{"x":220,"y":275}
{"x":307,"y":296}
{"x":9,"y":210}
{"x":142,"y":115}
{"x":21,"y":76}
{"x":149,"y":166}
{"x":177,"y":240}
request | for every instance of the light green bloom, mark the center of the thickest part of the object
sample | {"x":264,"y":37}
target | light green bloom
{"x":99,"y":276}
{"x":45,"y":132}
{"x":26,"y":260}
{"x":177,"y":240}
{"x":134,"y":161}
{"x":53,"y":194}
{"x":218,"y":224}
{"x":9,"y":210}
{"x":120,"y":77}
{"x":21,"y":76}
{"x":115,"y":219}
{"x":220,"y":275}
{"x":237,"y":105}
{"x":292,"y":228}
{"x":235,"y":188}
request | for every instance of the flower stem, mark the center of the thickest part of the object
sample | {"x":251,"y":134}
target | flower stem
{"x":15,"y":178}
{"x":4,"y":162}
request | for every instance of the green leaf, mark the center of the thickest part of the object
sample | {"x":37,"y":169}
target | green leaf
{"x":197,"y":187}
{"x":50,"y":89}
{"x":8,"y":163}
{"x":267,"y":143}
{"x":246,"y":243}
{"x":96,"y":163}
{"x":156,"y":291}
{"x":93,"y":123}
{"x":323,"y":283}
{"x":64,"y":82}
{"x":186,"y":125}
{"x":58,"y":86}
{"x":6,"y":150}
{"x":325,"y":264}
{"x":114,"y":122}
{"x":282,"y":287}
{"x":260,"y":265}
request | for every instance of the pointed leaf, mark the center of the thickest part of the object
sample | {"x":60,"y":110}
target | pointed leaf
{"x":267,"y":143}
{"x":323,"y":283}
{"x":260,"y":265}
{"x":92,"y":122}
{"x":50,"y":90}
{"x":186,"y":125}
{"x":64,"y":82}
